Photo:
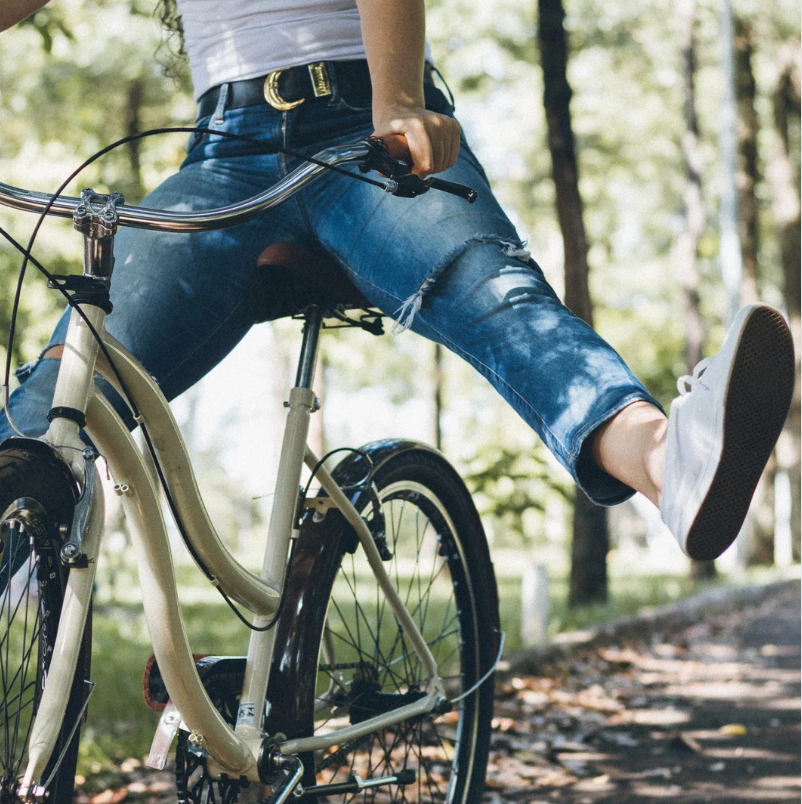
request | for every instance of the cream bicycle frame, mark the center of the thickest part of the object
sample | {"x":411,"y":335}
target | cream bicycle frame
{"x":232,"y":751}
{"x":236,"y":751}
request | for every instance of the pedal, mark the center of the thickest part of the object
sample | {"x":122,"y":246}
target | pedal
{"x":355,"y":784}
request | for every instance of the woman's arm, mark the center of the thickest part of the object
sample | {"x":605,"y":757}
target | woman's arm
{"x":394,"y":35}
{"x":14,"y":11}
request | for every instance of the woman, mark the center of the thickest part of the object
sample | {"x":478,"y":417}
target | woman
{"x":311,"y":73}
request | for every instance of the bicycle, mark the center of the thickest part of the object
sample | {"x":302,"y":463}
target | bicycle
{"x":344,"y":693}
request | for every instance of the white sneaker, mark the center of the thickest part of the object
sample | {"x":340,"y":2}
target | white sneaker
{"x":722,"y":429}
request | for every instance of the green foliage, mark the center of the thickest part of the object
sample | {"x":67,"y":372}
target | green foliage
{"x":68,"y":78}
{"x":49,"y":22}
{"x":510,"y":486}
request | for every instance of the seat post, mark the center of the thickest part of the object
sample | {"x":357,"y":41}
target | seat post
{"x":313,"y":320}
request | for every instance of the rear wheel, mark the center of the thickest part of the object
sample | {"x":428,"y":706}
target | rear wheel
{"x":37,"y":495}
{"x":352,"y":659}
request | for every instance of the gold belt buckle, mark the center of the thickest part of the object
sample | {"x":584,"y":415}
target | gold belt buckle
{"x":270,"y":90}
{"x":321,"y":86}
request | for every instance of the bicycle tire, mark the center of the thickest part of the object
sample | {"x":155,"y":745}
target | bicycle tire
{"x":32,"y":586}
{"x":439,"y":552}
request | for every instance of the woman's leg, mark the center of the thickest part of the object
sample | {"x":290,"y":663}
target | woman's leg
{"x":458,"y":274}
{"x":631,"y":446}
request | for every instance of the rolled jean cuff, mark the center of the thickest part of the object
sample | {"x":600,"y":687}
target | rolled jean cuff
{"x":599,"y":486}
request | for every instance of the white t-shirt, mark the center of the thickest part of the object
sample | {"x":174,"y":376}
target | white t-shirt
{"x":231,"y":40}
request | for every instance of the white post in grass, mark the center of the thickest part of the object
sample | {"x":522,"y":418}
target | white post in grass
{"x":783,"y":537}
{"x":535,"y":605}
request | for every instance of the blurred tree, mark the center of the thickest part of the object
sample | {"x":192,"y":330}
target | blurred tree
{"x":756,"y":543}
{"x":509,"y":486}
{"x":729,"y":240}
{"x":437,"y":396}
{"x":76,"y":75}
{"x":784,"y":175}
{"x":590,"y":541}
{"x":748,"y":175}
{"x":687,"y":247}
{"x":687,"y":250}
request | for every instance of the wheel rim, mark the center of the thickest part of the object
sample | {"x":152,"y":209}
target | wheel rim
{"x":367,"y":663}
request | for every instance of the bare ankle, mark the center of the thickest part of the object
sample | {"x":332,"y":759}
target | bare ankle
{"x":631,"y":447}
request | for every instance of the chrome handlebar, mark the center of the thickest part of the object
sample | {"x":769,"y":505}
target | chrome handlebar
{"x":221,"y":218}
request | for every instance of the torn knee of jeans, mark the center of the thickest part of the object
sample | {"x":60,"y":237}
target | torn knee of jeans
{"x":26,"y":369}
{"x":53,"y":351}
{"x":406,"y":313}
{"x":511,"y":248}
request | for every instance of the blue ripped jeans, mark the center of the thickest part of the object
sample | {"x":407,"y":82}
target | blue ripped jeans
{"x":453,"y":272}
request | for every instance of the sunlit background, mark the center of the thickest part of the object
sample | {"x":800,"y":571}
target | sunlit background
{"x":82,"y":73}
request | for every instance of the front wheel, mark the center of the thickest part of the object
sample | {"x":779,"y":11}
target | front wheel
{"x":37,"y":496}
{"x":351,"y":660}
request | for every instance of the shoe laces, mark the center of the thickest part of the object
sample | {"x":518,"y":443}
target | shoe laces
{"x":687,"y":382}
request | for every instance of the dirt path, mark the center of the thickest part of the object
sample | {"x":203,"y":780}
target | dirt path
{"x":703,"y":713}
{"x":700,"y":704}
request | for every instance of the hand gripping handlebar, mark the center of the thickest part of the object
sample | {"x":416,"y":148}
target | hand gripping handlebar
{"x":402,"y":182}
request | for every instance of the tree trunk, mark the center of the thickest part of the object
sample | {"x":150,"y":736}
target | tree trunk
{"x":590,"y":537}
{"x":589,"y":547}
{"x":747,"y":177}
{"x":729,"y":237}
{"x":784,"y":180}
{"x":686,"y":251}
{"x":317,"y":424}
{"x":756,"y":543}
{"x":687,"y":248}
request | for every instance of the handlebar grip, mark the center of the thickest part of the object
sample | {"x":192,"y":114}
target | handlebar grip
{"x":468,"y":193}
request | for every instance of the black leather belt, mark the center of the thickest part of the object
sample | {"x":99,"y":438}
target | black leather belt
{"x":288,"y":88}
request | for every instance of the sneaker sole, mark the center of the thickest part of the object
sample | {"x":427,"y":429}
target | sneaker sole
{"x":758,"y":399}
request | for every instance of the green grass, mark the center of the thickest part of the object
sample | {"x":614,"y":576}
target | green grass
{"x":628,"y":595}
{"x":120,"y":725}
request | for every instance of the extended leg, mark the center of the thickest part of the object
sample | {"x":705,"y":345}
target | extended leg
{"x":462,"y":277}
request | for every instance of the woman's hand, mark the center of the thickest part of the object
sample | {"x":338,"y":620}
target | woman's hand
{"x":432,"y":139}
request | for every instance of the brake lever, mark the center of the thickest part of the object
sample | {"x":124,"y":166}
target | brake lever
{"x":463,"y":191}
{"x":401,"y":182}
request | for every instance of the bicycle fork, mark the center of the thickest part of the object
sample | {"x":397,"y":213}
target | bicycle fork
{"x":96,"y":219}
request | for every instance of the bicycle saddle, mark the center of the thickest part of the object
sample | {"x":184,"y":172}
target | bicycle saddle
{"x":308,"y":277}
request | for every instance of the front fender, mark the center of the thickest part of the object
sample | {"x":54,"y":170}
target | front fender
{"x":352,"y":470}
